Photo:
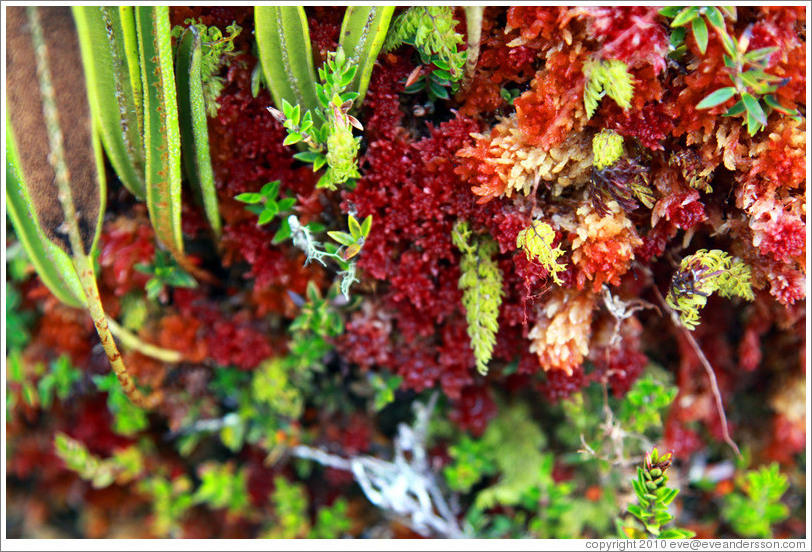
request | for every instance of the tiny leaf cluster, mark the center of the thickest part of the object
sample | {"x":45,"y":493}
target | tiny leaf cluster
{"x":266,"y":205}
{"x":758,"y":506}
{"x":481,"y":285}
{"x":165,"y":272}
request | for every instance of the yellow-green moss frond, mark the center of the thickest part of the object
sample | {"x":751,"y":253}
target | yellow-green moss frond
{"x":609,"y":77}
{"x":481,"y":285}
{"x":607,"y":147}
{"x":700,"y":275}
{"x":618,"y":83}
{"x":537,"y":242}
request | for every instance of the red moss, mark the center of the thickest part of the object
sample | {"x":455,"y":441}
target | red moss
{"x":124,"y":243}
{"x":473,"y":410}
{"x":559,"y":385}
{"x":631,"y":34}
{"x":551,"y":108}
{"x":232,"y":343}
{"x":650,"y":125}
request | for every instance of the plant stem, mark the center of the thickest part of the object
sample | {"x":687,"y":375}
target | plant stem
{"x":132,"y":341}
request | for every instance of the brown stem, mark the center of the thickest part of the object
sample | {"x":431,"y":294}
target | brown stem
{"x":717,"y":395}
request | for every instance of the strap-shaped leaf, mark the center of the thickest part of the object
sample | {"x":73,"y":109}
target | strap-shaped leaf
{"x":362,"y":34}
{"x":52,"y":264}
{"x":283,"y":41}
{"x":112,"y":98}
{"x":194,"y":132}
{"x":161,"y":130}
{"x":717,"y":97}
{"x":59,"y":155}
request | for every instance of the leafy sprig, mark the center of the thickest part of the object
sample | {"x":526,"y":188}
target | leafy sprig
{"x":607,"y":77}
{"x":653,"y":498}
{"x":349,"y":245}
{"x":756,"y":506}
{"x":746,"y":69}
{"x":266,"y":205}
{"x":327,"y":131}
{"x":431,"y":31}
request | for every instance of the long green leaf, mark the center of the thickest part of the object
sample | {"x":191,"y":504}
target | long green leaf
{"x":717,"y":97}
{"x":362,"y":34}
{"x":283,"y":41}
{"x":161,"y":131}
{"x":53,"y":265}
{"x":112,"y":98}
{"x":59,"y":156}
{"x":194,"y":132}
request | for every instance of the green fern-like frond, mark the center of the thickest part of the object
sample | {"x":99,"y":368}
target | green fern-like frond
{"x":431,"y":30}
{"x":537,"y":242}
{"x":609,"y":77}
{"x":481,"y":285}
{"x":593,"y":89}
{"x":618,"y":82}
{"x":702,"y":274}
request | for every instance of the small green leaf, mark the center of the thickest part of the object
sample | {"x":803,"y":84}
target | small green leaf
{"x":754,"y":108}
{"x":685,"y":16}
{"x":355,"y":228}
{"x":716,"y":98}
{"x":307,"y":156}
{"x":341,"y":237}
{"x":366,"y":226}
{"x":319,"y":162}
{"x":283,"y":233}
{"x":268,"y":214}
{"x":715,"y":17}
{"x":729,"y":44}
{"x":700,"y":33}
{"x":677,"y":36}
{"x":270,"y":190}
{"x":737,"y":109}
{"x":439,"y":91}
{"x":292,"y":138}
{"x":286,"y":203}
{"x":249,"y":198}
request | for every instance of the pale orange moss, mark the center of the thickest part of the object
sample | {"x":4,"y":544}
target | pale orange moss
{"x":561,"y":336}
{"x":602,"y":246}
{"x":506,"y":162}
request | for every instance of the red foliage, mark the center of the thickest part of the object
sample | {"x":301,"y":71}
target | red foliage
{"x":232,"y":343}
{"x":631,"y":34}
{"x":559,"y":385}
{"x":554,"y":105}
{"x":473,"y":410}
{"x":124,"y":243}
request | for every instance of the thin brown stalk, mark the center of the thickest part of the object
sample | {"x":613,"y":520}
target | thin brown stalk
{"x":717,"y":395}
